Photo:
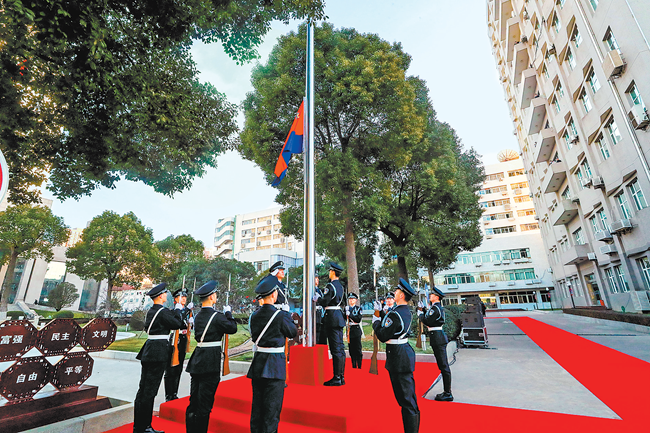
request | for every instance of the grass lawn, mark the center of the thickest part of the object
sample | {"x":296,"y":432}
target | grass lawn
{"x":134,"y":344}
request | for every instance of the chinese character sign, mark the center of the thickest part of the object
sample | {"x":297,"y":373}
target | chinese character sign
{"x":98,"y":334}
{"x":25,"y":378}
{"x":72,"y":370}
{"x":58,"y":337}
{"x":16,"y":338}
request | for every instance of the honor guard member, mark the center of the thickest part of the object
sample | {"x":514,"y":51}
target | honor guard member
{"x":321,"y":338}
{"x":270,"y":327}
{"x":154,"y":356}
{"x":205,"y":363}
{"x":400,"y":356}
{"x":333,"y":323}
{"x":354,"y":315}
{"x":277,"y":270}
{"x":390,"y":300}
{"x":433,"y":318}
{"x":179,"y":348}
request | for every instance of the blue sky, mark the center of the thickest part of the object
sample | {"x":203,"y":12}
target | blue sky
{"x":450,"y":50}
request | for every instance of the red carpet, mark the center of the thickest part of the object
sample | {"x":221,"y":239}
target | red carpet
{"x":366,"y":403}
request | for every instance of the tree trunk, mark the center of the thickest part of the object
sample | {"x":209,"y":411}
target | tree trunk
{"x":402,"y":272}
{"x":9,"y":279}
{"x":430,"y":277}
{"x":109,"y":296}
{"x":350,"y":252}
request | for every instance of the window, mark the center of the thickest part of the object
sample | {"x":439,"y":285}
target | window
{"x":644,"y":267}
{"x":571,"y":59}
{"x":561,"y":3}
{"x":493,"y":203}
{"x":522,"y":198}
{"x":614,"y":134}
{"x":557,"y":26}
{"x":567,"y":139}
{"x":603,"y":147}
{"x":526,"y":212}
{"x":556,"y":104}
{"x":493,"y":190}
{"x":516,"y":173}
{"x":586,"y":169}
{"x":531,"y":226}
{"x":593,"y":81}
{"x":519,"y":185}
{"x":602,"y":217}
{"x":545,"y":72}
{"x":625,"y":208}
{"x":502,"y":230}
{"x":586,"y":103}
{"x":594,"y":4}
{"x":637,"y":195}
{"x":572,"y":128}
{"x":611,"y":279}
{"x":610,"y":41}
{"x":576,"y":37}
{"x":621,"y":278}
{"x":560,"y":90}
{"x":635,"y":96}
{"x":495,"y":176}
{"x":566,"y":194}
{"x":594,"y":224}
{"x":578,"y":236}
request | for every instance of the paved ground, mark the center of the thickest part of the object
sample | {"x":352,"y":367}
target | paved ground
{"x":514,"y":372}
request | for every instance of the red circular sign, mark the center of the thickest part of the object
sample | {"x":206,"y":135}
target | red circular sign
{"x":16,"y":338}
{"x":4,"y":176}
{"x":72,"y":370}
{"x":58,"y":336}
{"x":25,"y":378}
{"x":98,"y":334}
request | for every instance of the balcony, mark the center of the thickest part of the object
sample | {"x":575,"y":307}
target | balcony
{"x":564,"y":213}
{"x":535,"y":116}
{"x":505,"y":11}
{"x":576,"y":254}
{"x":513,"y":36}
{"x":555,"y":177}
{"x":520,"y":62}
{"x":545,"y":145}
{"x":604,"y":236}
{"x":528,"y":87}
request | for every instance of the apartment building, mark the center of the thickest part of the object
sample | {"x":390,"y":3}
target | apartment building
{"x":510,"y":269}
{"x":575,"y":77}
{"x":257,"y":238}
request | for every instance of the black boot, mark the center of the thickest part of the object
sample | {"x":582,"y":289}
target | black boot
{"x":334,"y":381}
{"x":411,"y":423}
{"x":151,"y":430}
{"x":444,"y":396}
{"x":189,"y":422}
{"x":342,"y":370}
{"x":201,"y":424}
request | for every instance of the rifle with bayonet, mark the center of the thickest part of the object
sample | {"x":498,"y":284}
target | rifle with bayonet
{"x":226,"y":357}
{"x":375,"y":343}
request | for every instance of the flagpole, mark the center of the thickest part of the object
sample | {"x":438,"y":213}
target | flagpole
{"x":309,"y":266}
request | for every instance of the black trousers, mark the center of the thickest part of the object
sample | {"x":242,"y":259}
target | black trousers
{"x":268,"y":395}
{"x":404,"y":390}
{"x":440,"y":351}
{"x":321,"y":335}
{"x":203,"y":387}
{"x":355,"y":346}
{"x":173,"y":374}
{"x":335,"y":340}
{"x":150,"y":378}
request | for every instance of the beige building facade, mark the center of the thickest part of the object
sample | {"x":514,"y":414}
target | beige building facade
{"x":576,"y":81}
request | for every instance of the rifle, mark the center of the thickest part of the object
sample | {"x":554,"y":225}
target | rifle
{"x":226,"y":357}
{"x":375,"y":343}
{"x":175,"y":354}
{"x":347,"y":320}
{"x":418,"y":343}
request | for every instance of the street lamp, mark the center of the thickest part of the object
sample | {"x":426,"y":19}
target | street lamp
{"x":571,"y":293}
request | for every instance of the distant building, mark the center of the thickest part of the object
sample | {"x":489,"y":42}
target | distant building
{"x":510,"y":268}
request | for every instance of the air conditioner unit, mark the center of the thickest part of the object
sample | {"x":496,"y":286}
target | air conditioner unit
{"x":621,"y":225}
{"x":524,"y":39}
{"x":268,"y":223}
{"x":492,"y":284}
{"x":506,"y":262}
{"x":504,"y":193}
{"x":639,"y":117}
{"x":549,"y":270}
{"x":497,"y":263}
{"x":613,"y":65}
{"x":591,"y":256}
{"x":529,"y":283}
{"x":283,"y":240}
{"x":608,"y":249}
{"x":573,"y":138}
{"x":530,"y":195}
{"x":486,"y":223}
{"x":478,"y":265}
{"x":585,"y":182}
{"x":452,"y":266}
{"x":598,"y":182}
{"x":603,"y":235}
{"x":511,"y":283}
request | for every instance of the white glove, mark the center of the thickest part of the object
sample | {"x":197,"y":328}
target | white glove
{"x":190,"y":305}
{"x":191,"y":320}
{"x":420,"y":312}
{"x":285,"y":307}
{"x":377,"y":305}
{"x":420,"y":304}
{"x":376,"y":319}
{"x":385,"y":307}
{"x":315,"y":297}
{"x":226,"y":309}
{"x":178,"y":307}
{"x":347,"y":310}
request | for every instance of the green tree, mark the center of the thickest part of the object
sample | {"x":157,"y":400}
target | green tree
{"x":115,"y":248}
{"x":63,"y":295}
{"x":27,"y":232}
{"x":365,"y":119}
{"x":175,"y":251}
{"x":96,"y":91}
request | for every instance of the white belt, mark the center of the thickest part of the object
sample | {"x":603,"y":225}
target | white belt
{"x":158,"y":337}
{"x":434,"y":328}
{"x":351,"y":324}
{"x":269,"y":349}
{"x":333,"y":308}
{"x":398,"y":341}
{"x":209,"y":344}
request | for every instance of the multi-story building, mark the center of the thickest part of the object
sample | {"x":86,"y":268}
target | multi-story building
{"x":575,"y":77}
{"x":510,"y":268}
{"x":256,"y":237}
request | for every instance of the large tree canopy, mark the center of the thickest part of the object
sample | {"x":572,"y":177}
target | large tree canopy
{"x":366,"y":121}
{"x":175,"y":252}
{"x":27,"y":232}
{"x":95,"y":91}
{"x":115,"y":248}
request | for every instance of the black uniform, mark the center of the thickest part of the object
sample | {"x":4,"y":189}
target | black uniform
{"x":321,"y":337}
{"x":282,"y":291}
{"x":154,"y":356}
{"x":354,"y":346}
{"x":268,"y":370}
{"x":173,"y":374}
{"x":434,"y":317}
{"x":333,"y":324}
{"x":205,"y":367}
{"x":400,"y":361}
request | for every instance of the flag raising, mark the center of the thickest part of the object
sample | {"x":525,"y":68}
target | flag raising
{"x":293,"y":144}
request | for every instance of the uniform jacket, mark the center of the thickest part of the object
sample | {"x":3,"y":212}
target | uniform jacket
{"x":332,"y":297}
{"x":167,"y":320}
{"x":356,"y":314}
{"x":435,"y":316}
{"x":319,"y":310}
{"x":400,"y":358}
{"x":270,"y":365}
{"x":182,"y":338}
{"x":281,"y":293}
{"x":208,"y":359}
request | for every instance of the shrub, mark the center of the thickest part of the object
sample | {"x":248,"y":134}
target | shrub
{"x":14,"y":315}
{"x":137,"y":320}
{"x":453,"y":323}
{"x":64,"y":315}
